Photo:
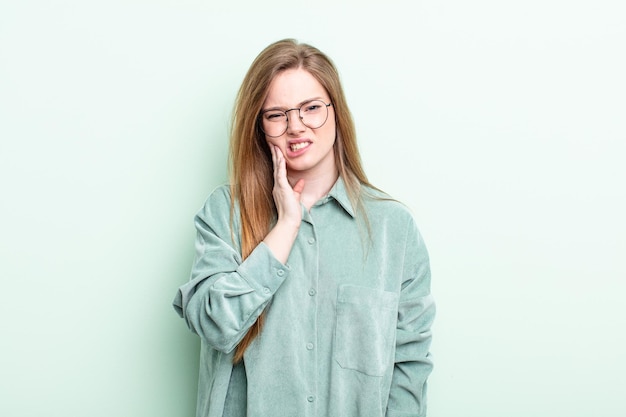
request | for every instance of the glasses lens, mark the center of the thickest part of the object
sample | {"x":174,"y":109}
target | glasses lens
{"x":314,"y":113}
{"x":274,"y":122}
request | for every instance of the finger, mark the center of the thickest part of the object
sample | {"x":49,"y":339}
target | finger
{"x":273,"y":152}
{"x":299,"y":187}
{"x":281,"y":167}
{"x":279,"y":153}
{"x":276,"y":163}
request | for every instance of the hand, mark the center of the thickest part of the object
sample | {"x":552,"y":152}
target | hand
{"x":287,"y":199}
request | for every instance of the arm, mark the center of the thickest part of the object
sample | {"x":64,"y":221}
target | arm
{"x":226,"y":295}
{"x":416,"y":311}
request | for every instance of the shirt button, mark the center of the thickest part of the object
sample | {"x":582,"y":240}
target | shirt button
{"x":309,"y":346}
{"x":312,"y":292}
{"x":266,"y":290}
{"x":311,"y":240}
{"x":280,"y":272}
{"x":310,"y":398}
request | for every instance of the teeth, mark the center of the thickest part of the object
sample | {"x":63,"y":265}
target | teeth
{"x":298,"y":146}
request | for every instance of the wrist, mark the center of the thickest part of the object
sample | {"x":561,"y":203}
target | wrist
{"x":288,"y":225}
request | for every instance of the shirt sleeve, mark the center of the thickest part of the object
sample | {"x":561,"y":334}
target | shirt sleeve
{"x":225,"y":295}
{"x":416,"y":312}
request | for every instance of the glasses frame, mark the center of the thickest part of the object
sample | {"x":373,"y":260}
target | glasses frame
{"x":286,"y":112}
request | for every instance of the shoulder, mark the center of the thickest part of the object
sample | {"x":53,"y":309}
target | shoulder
{"x":394,"y":218}
{"x":379,"y":204}
{"x":217,"y":204}
{"x":220,"y":193}
{"x":390,"y":215}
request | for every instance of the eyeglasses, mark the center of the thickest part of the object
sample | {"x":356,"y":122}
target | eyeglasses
{"x":313,"y":114}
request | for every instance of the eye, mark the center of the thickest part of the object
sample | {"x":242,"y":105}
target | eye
{"x":311,"y":107}
{"x":274,"y":116}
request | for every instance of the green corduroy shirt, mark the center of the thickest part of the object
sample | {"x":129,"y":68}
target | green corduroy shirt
{"x":348,"y":317}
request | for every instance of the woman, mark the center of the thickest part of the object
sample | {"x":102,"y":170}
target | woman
{"x":310,"y":290}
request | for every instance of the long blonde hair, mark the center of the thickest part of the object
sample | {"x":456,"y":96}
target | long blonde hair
{"x":250,"y":163}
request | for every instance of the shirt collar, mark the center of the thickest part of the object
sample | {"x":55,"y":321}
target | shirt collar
{"x":340,"y":194}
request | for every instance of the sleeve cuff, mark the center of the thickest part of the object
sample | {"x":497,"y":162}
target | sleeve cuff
{"x":263,"y":271}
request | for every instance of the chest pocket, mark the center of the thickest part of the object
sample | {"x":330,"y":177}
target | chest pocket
{"x":365,"y":329}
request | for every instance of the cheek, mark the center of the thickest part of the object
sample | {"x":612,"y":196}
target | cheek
{"x":329,"y":132}
{"x":271,"y":141}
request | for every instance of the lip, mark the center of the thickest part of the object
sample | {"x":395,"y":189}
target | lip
{"x":293,"y":154}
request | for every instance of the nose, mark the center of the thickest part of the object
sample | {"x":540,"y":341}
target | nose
{"x":294,"y":123}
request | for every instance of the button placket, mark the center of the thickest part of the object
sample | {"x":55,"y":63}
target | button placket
{"x":311,"y":253}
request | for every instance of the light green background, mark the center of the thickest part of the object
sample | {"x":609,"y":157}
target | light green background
{"x":500,"y":123}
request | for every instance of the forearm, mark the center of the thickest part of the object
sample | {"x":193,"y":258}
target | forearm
{"x":220,"y":303}
{"x":413,"y":363}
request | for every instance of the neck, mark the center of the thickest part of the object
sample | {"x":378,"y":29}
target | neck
{"x":315,"y":187}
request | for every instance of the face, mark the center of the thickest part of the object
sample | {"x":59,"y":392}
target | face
{"x":307,"y":151}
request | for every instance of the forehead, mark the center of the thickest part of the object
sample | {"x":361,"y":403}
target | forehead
{"x":293,"y":86}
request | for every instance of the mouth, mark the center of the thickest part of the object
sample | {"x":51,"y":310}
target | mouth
{"x":298,"y":146}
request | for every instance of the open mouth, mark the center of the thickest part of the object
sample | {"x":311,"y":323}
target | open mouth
{"x":295,"y":147}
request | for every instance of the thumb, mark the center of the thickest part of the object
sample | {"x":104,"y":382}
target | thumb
{"x":299,"y":187}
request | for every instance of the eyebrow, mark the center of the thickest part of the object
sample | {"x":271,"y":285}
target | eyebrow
{"x":297,"y":105}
